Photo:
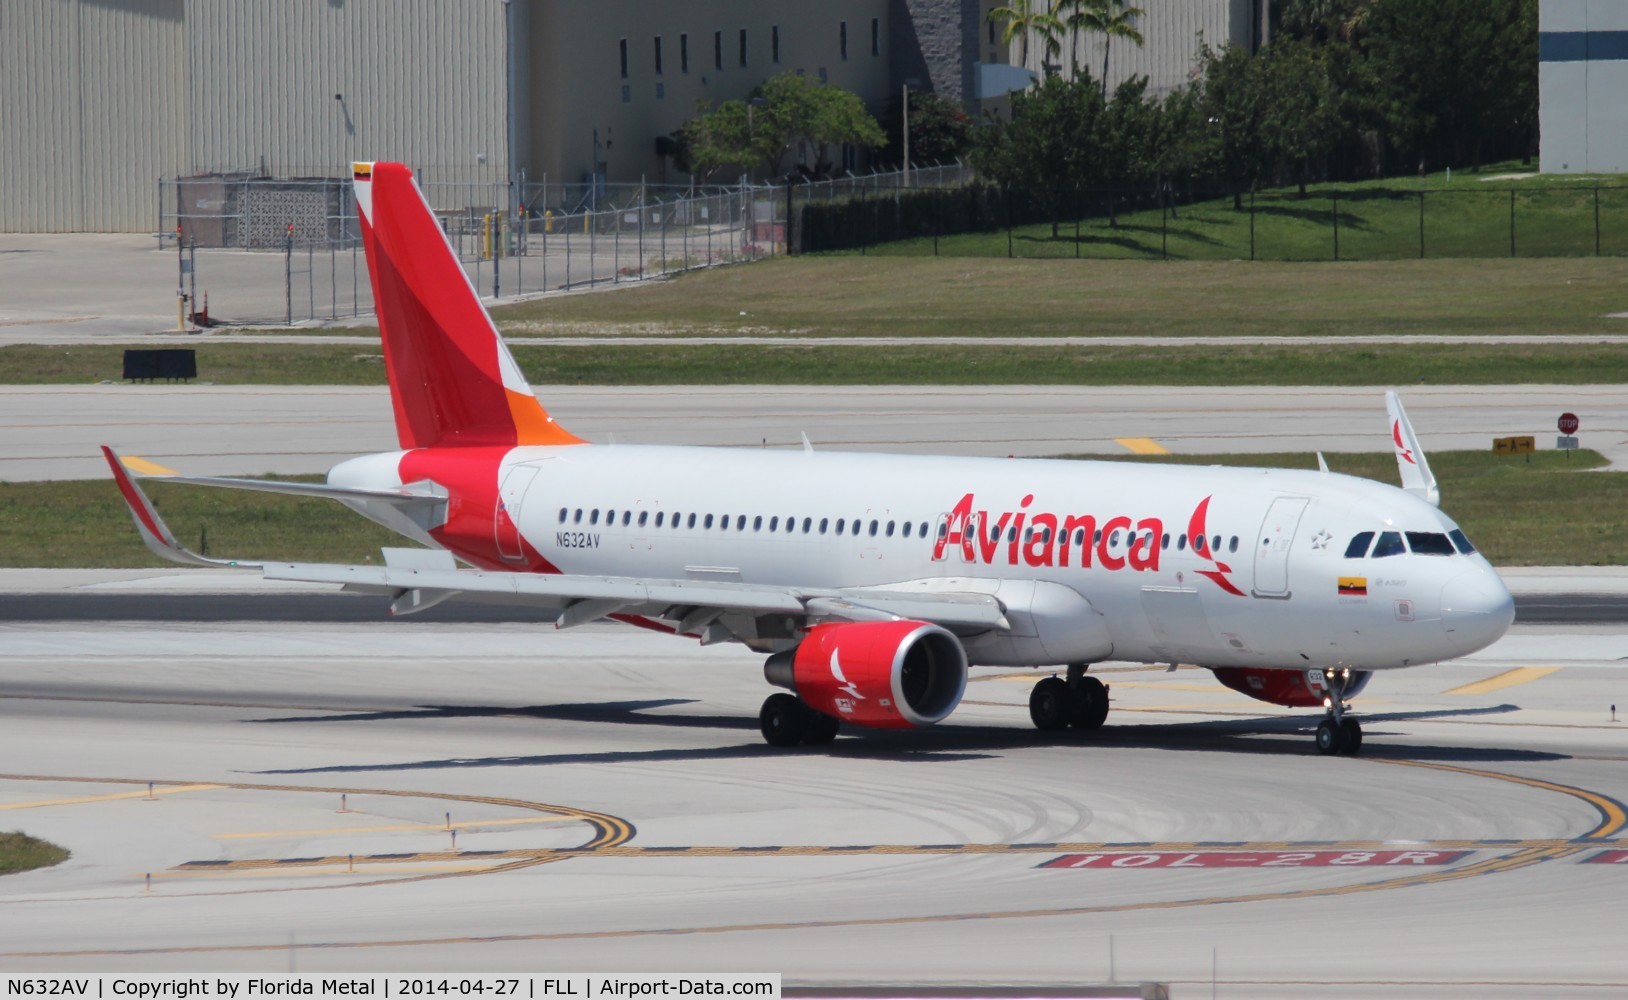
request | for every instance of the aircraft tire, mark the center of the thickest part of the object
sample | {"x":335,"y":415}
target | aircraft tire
{"x":819,"y":729}
{"x":1091,"y":703}
{"x":1350,"y":737}
{"x":783,"y":720}
{"x":1052,"y":705}
{"x":1330,"y":740}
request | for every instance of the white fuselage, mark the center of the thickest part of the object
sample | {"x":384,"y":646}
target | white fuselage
{"x":1093,"y":560}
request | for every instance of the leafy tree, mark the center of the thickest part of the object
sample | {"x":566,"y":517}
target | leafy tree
{"x":782,"y":115}
{"x":940,"y":130}
{"x":1301,"y":114}
{"x":1182,"y":143}
{"x":1123,"y":152}
{"x":1109,"y":18}
{"x":1235,"y":96}
{"x":1021,"y":18}
{"x":1048,"y":147}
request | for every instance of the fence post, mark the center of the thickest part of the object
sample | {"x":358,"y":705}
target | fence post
{"x":1252,"y":224}
{"x":1164,"y":225}
{"x":567,"y":232}
{"x":310,"y":281}
{"x":593,"y":263}
{"x":288,"y":276}
{"x":789,"y":188}
{"x":1596,"y":220}
{"x":616,"y":252}
{"x":1076,"y":222}
{"x":938,"y":197}
{"x":1008,"y":222}
{"x":1512,"y":222}
{"x":1335,"y":197}
{"x":1421,"y":224}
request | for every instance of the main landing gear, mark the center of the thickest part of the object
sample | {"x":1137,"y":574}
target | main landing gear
{"x":786,"y":722}
{"x":1079,"y":701}
{"x":1338,"y":734}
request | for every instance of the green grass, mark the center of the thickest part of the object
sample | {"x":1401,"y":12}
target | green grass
{"x":1464,"y":216}
{"x":836,"y":296}
{"x":85,"y":523}
{"x":751,"y":364}
{"x":20,"y":853}
{"x":1546,"y":511}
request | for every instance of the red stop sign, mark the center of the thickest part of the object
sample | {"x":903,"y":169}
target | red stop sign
{"x":1568,"y":423}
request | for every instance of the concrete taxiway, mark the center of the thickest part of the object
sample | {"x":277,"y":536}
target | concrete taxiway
{"x":53,"y":432}
{"x":614,"y":808}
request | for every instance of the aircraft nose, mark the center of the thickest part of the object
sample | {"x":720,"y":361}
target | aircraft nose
{"x":1476,"y":609}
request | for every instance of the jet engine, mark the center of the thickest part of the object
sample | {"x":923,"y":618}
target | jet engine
{"x":1291,"y":688}
{"x":887,"y":675}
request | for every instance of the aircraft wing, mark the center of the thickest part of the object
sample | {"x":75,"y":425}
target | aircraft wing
{"x":417,"y":579}
{"x":1410,"y":458}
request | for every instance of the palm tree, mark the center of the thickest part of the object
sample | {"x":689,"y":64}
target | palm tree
{"x":1109,"y":18}
{"x":1020,"y":18}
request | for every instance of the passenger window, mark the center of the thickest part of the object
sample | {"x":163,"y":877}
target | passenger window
{"x":692,"y":520}
{"x":563,"y":512}
{"x":644,"y":515}
{"x":610,"y":518}
{"x":1113,"y":540}
{"x":708,"y":522}
{"x":1011,"y":533}
{"x":905,"y":527}
{"x":593,"y":516}
{"x":1359,"y":545}
{"x":824,"y":521}
{"x":1181,"y":542}
{"x":577,"y":517}
{"x":774,"y":523}
{"x":808,"y":523}
{"x":1096,"y":537}
{"x":740,"y":522}
{"x":1389,"y":544}
{"x":757,"y":523}
{"x":853,"y":529}
{"x":873,"y":529}
{"x":924,"y":529}
{"x":1079,"y":536}
{"x":659,"y":515}
{"x":841,"y":521}
{"x":1233,"y":546}
{"x":627,"y":518}
{"x":1164,"y":543}
{"x":1429,"y":543}
{"x":889,"y":531}
{"x":1462,"y":542}
{"x":1215,"y":544}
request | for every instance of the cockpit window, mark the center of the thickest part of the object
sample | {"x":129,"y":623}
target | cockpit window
{"x":1462,"y":543}
{"x":1359,"y":545}
{"x":1429,"y":543}
{"x":1389,"y":544}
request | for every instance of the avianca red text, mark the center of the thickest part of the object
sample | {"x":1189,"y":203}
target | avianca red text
{"x":1041,"y":538}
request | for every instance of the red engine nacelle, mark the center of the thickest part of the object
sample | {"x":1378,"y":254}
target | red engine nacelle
{"x":1291,"y":688}
{"x":887,"y":675}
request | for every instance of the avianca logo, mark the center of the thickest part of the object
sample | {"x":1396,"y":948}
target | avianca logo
{"x":1042,"y":538}
{"x":1401,"y":449}
{"x":1198,"y":531}
{"x":1050,"y":539}
{"x":846,"y":686}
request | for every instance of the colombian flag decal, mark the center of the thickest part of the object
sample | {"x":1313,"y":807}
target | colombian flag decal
{"x":362,"y":171}
{"x":1353,"y":586}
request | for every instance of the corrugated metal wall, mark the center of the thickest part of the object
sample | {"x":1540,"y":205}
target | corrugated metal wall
{"x":1172,"y":31}
{"x":101,"y":98}
{"x":90,"y":112}
{"x":422,"y":81}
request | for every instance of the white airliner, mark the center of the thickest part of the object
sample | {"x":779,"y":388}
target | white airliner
{"x":872,"y":582}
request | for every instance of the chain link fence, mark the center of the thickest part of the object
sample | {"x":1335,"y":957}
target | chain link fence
{"x":259,"y":250}
{"x":976,"y":220}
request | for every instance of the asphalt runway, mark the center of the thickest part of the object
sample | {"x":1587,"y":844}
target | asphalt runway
{"x":54,"y":432}
{"x":615,"y":809}
{"x":1530,"y":609}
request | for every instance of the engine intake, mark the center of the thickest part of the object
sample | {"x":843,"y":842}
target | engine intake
{"x":1290,"y":688}
{"x":887,"y":675}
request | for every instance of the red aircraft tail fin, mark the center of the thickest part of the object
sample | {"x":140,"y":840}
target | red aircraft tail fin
{"x":453,"y":382}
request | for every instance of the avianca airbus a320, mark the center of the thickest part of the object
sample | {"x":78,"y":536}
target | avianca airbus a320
{"x":872,"y":582}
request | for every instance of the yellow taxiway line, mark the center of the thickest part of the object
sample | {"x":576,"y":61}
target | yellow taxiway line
{"x":380,"y":829}
{"x":1142,"y":446}
{"x":107,"y":798}
{"x":1509,"y":678}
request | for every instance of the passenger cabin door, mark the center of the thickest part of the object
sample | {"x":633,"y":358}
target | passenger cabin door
{"x":1272,"y":549}
{"x":510,"y":496}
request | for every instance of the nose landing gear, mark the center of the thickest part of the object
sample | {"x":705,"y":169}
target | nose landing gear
{"x":1080,"y":701}
{"x":1338,"y":733}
